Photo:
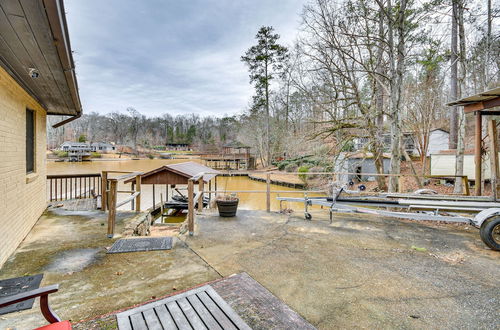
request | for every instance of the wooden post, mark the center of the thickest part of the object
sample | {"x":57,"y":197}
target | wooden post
{"x":201,"y":187}
{"x":154,"y":200}
{"x":190,"y":207}
{"x":477,"y":151}
{"x":104,"y":190}
{"x":161,"y":206}
{"x":138,"y":189}
{"x":465,"y":182}
{"x":400,"y":186}
{"x":268,"y":192}
{"x":112,"y":207}
{"x":209,"y":194}
{"x":132,"y":187}
{"x":492,"y":132}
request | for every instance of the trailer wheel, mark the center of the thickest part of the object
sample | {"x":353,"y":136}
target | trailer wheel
{"x":308,"y":216}
{"x":490,"y":233}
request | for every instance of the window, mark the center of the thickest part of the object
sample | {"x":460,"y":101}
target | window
{"x":30,"y":141}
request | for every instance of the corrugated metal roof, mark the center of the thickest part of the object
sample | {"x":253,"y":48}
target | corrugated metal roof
{"x":481,"y":97}
{"x":190,"y":169}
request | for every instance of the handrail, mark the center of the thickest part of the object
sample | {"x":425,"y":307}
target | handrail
{"x":63,"y":176}
{"x":110,"y":192}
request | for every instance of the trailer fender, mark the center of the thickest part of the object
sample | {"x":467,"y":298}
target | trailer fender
{"x":485,"y":215}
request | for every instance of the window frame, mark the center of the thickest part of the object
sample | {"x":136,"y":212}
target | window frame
{"x":30,"y":145}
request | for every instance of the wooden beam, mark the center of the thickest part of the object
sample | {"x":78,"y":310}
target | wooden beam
{"x":492,"y":132}
{"x":478,"y":106}
{"x":477,"y":153}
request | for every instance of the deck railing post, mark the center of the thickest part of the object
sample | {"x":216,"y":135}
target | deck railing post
{"x":112,"y":207}
{"x":138,"y":189}
{"x":104,"y":189}
{"x":268,"y":192}
{"x":190,"y":207}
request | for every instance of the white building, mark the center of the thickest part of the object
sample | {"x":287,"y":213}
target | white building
{"x":438,"y":141}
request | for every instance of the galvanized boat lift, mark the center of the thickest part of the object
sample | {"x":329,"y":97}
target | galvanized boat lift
{"x":486,"y":219}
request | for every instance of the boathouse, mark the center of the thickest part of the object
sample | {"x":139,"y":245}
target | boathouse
{"x":37,"y":78}
{"x":176,"y":174}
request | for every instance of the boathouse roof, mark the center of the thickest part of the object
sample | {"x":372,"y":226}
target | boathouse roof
{"x":176,"y":174}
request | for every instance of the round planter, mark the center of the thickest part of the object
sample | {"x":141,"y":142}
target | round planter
{"x":227,"y":208}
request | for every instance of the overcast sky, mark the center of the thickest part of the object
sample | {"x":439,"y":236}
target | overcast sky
{"x":170,"y":56}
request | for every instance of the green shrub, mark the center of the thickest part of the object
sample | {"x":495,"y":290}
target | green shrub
{"x":62,"y":154}
{"x":283,"y":164}
{"x":303,"y":177}
{"x":150,"y":156}
{"x":95,"y":155}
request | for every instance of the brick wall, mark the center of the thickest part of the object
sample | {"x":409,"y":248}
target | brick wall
{"x":22,"y":196}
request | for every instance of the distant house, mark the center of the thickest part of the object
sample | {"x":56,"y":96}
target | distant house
{"x":75,"y":147}
{"x":443,"y":163}
{"x":178,"y":147}
{"x":438,"y":141}
{"x":37,"y":79}
{"x":408,"y":140}
{"x":103,"y":147}
{"x":359,"y":162}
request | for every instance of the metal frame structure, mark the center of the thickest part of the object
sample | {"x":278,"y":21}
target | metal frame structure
{"x":426,"y":210}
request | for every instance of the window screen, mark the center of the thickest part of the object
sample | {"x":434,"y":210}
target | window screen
{"x":30,"y":141}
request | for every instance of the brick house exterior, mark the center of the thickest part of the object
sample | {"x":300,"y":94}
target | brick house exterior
{"x":36,"y":79}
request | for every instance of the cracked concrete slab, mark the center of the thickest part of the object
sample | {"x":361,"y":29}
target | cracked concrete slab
{"x":360,"y":271}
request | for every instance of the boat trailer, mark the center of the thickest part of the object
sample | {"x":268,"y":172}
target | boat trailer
{"x":416,"y":207}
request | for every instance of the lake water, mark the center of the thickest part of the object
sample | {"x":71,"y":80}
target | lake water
{"x":250,"y":201}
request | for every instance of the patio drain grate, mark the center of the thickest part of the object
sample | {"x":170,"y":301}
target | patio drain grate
{"x":141,"y":244}
{"x":18,"y":285}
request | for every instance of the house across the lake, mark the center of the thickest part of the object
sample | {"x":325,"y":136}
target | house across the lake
{"x":37,"y":79}
{"x":103,"y":147}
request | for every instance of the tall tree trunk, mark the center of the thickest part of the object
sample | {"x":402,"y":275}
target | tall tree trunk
{"x":459,"y":163}
{"x":396,"y":93}
{"x":379,"y":143}
{"x":268,"y":137}
{"x":453,"y":78}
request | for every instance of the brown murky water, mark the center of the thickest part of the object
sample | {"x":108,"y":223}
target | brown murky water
{"x":249,"y":201}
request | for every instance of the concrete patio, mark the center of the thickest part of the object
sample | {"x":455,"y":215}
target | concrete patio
{"x":360,"y":271}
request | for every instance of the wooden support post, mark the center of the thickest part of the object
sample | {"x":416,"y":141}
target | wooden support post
{"x":492,"y":132}
{"x":104,"y":189}
{"x":201,"y":188}
{"x":113,"y":187}
{"x":210,"y":193}
{"x":161,"y":206}
{"x":154,"y":200}
{"x":465,"y":182}
{"x":268,"y":192}
{"x":216,"y":186}
{"x":132,"y":188}
{"x":138,"y":189}
{"x":477,"y":153}
{"x":190,"y":207}
{"x":400,"y":186}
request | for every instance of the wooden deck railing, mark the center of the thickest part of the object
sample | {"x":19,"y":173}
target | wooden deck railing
{"x":109,"y":198}
{"x":62,"y":187}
